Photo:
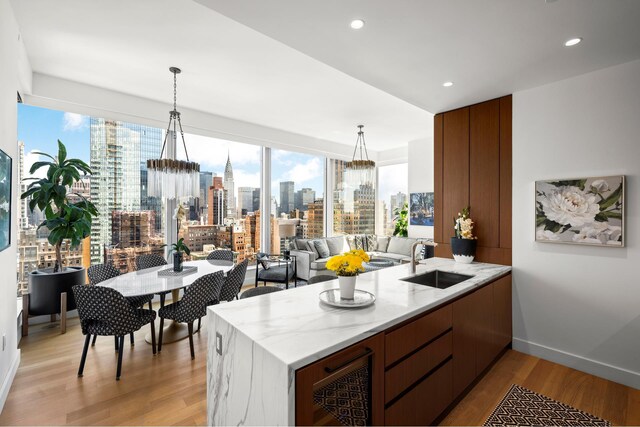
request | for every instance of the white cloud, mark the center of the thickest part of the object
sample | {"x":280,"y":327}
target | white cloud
{"x":391,"y":180}
{"x":73,"y":121}
{"x":303,"y":172}
{"x":211,"y":153}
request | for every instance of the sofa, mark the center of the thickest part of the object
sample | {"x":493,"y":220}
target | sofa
{"x":312,"y":254}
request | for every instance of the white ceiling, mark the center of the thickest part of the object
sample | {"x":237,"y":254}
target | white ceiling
{"x":489,"y":48}
{"x":296,"y":65}
{"x":228,"y":68}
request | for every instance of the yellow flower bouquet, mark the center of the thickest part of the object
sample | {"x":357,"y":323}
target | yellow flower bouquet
{"x":348,"y":263}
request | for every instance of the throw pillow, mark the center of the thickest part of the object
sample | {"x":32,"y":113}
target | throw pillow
{"x":382,"y":244}
{"x":370,"y":242}
{"x":351,"y":241}
{"x":263,"y":260}
{"x":359,"y":242}
{"x":302,"y":244}
{"x":337,"y":245}
{"x":400,"y":245}
{"x":322,"y":248}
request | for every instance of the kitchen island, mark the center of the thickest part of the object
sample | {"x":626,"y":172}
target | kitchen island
{"x":257,"y":345}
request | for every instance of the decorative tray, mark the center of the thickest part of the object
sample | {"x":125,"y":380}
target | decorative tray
{"x":360,"y":299}
{"x":186,"y":270}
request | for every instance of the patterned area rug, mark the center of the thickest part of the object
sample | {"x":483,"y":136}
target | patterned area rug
{"x":522,"y":407}
{"x":346,"y":398}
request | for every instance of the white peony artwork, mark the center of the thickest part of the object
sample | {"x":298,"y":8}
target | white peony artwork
{"x":588,"y":211}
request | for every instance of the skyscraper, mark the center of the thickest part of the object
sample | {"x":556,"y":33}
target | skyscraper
{"x":287,"y":202}
{"x":23,"y":213}
{"x":118,"y":159}
{"x":202,"y":204}
{"x":245,"y":200}
{"x":217,"y":202}
{"x":229,"y":187}
{"x":303,"y":198}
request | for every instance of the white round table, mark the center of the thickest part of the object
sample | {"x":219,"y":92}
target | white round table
{"x":149,"y":281}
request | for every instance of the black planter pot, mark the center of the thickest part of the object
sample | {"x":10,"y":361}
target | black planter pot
{"x":45,"y":288}
{"x":177,"y":261}
{"x":464,"y":250}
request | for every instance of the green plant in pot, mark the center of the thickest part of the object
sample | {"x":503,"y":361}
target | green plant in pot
{"x":178,"y":249}
{"x":401,"y":221}
{"x":67,"y":221}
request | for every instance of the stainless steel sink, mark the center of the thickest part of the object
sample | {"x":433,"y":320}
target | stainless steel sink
{"x":437,"y":279}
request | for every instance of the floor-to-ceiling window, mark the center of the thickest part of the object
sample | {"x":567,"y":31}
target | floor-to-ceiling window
{"x":392,"y":196}
{"x":227,"y":212}
{"x":130,"y":223}
{"x":297,"y":197}
{"x":353,"y":201}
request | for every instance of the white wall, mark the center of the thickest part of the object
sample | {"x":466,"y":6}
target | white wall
{"x":10,"y":48}
{"x":579,"y":306}
{"x":421,"y":175}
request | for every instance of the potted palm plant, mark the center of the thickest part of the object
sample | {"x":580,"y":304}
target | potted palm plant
{"x":67,"y":221}
{"x":178,"y":249}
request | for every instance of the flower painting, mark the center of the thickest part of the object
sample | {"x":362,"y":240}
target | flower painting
{"x":586,"y":211}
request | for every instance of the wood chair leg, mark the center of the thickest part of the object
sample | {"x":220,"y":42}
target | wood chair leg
{"x":131,"y":339}
{"x":63,"y":313}
{"x":153,"y":336}
{"x":93,"y":341}
{"x":25,"y":315}
{"x":121,"y":346}
{"x":190,"y":326}
{"x":160,"y":337}
{"x":84,"y":355}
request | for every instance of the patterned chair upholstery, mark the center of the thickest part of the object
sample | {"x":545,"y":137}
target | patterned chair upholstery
{"x":221,"y":254}
{"x":254,"y":292}
{"x":149,"y":261}
{"x":104,"y":311}
{"x":233,"y":282}
{"x":193,"y":304}
{"x":99,"y":273}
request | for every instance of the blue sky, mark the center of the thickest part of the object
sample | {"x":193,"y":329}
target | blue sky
{"x":40,"y":128}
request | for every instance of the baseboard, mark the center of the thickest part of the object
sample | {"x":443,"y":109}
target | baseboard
{"x":6,"y":385}
{"x":593,"y":367}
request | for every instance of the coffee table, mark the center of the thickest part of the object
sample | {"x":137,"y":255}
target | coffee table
{"x":377,"y":264}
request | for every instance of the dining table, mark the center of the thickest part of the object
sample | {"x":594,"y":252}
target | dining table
{"x":162,"y":280}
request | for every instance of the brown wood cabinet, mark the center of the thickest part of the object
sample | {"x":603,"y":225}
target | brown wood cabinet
{"x":472,"y":167}
{"x":481,"y":330}
{"x":418,"y":368}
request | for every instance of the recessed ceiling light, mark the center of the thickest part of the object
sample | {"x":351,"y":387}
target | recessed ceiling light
{"x":356,"y":24}
{"x":447,"y":84}
{"x":573,"y":42}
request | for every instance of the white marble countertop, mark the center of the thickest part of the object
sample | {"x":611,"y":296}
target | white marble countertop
{"x":297,"y":329}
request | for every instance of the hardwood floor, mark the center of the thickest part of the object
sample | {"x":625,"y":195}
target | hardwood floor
{"x":602,"y":398}
{"x":170,"y":388}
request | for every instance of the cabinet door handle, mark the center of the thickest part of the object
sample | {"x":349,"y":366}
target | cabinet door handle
{"x":330,"y":370}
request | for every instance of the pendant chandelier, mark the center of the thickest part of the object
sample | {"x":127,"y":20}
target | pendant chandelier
{"x":168,"y":177}
{"x":360,"y":171}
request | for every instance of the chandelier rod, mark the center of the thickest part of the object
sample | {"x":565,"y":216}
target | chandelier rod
{"x":174,"y":115}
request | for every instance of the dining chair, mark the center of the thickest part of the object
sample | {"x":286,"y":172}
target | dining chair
{"x":233,"y":282}
{"x":193,"y":304}
{"x":231,"y":286}
{"x":104,"y":311}
{"x":99,"y":273}
{"x":221,"y":254}
{"x":254,"y":292}
{"x":150,"y":261}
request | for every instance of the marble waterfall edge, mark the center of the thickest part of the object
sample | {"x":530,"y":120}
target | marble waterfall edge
{"x":246,"y":385}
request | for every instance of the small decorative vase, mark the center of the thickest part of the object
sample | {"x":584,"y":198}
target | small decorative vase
{"x":464,"y":250}
{"x":347,"y":286}
{"x":177,"y":261}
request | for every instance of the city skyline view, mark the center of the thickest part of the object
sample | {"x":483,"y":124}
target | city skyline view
{"x":40,"y":128}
